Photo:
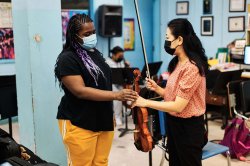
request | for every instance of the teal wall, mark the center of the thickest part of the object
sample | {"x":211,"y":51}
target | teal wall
{"x":7,"y":69}
{"x":37,"y":93}
{"x":156,"y":31}
{"x":220,"y":11}
{"x":146,"y":16}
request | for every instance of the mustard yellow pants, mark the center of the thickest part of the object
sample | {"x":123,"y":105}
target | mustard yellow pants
{"x":85,"y":147}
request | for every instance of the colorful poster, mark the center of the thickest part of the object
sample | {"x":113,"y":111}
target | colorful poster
{"x":129,"y":34}
{"x":6,"y":44}
{"x":7,"y":54}
{"x":66,"y":15}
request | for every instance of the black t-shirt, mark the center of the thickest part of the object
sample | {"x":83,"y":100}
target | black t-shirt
{"x":86,"y":114}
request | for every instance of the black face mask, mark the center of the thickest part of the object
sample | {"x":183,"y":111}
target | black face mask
{"x":119,"y":60}
{"x":167,"y":47}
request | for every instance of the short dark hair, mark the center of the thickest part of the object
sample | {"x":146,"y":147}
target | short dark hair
{"x":116,"y":49}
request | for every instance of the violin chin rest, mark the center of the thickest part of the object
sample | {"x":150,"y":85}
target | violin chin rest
{"x":139,"y":146}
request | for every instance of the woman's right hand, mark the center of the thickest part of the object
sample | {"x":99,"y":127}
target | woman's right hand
{"x":151,"y":84}
{"x":126,"y":95}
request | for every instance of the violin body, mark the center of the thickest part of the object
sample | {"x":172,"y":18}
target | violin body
{"x":142,"y":136}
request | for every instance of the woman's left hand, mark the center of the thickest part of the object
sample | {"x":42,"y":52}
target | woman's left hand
{"x":139,"y":102}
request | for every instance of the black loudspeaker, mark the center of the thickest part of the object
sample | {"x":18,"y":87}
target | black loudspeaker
{"x":110,"y":21}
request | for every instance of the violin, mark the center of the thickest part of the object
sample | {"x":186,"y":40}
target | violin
{"x":142,"y":136}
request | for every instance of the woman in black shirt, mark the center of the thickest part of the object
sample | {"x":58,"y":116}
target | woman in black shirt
{"x":86,"y":112}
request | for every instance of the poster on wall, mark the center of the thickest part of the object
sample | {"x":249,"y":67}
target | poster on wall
{"x":129,"y":34}
{"x":7,"y":54}
{"x":66,"y":15}
{"x":6,"y":44}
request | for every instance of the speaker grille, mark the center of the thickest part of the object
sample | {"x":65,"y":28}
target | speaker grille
{"x":110,"y":21}
{"x":113,"y":25}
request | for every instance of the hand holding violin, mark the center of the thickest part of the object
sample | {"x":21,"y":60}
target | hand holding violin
{"x":139,"y":102}
{"x":126,"y":95}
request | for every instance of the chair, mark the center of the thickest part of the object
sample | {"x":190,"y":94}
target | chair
{"x":212,"y":149}
{"x":239,"y":96}
{"x":216,"y":97}
{"x":245,"y":96}
{"x":234,"y":96}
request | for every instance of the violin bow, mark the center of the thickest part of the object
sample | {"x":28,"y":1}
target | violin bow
{"x":142,"y":38}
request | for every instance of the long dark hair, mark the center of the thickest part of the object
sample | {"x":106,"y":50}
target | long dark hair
{"x":191,"y":44}
{"x":74,"y":26}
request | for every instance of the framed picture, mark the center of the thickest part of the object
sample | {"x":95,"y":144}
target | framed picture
{"x":207,"y":6}
{"x":129,"y":34}
{"x":182,"y":8}
{"x":237,"y":5}
{"x":207,"y":25}
{"x":236,"y":24}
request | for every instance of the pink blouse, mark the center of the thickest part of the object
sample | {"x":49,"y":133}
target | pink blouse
{"x":187,"y":83}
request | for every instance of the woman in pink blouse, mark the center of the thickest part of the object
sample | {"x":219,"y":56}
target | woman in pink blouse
{"x":184,"y":95}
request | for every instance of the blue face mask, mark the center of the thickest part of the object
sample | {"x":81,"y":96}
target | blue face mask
{"x":89,"y":42}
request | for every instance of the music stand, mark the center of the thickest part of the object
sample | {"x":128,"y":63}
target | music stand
{"x":123,"y":76}
{"x":154,"y":67}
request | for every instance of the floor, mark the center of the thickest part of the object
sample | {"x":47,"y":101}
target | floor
{"x":124,"y":153}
